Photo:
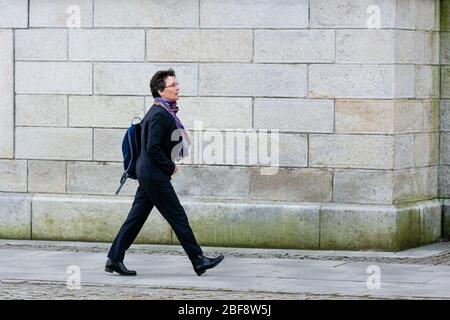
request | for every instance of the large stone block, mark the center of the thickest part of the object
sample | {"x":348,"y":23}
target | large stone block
{"x":355,"y":151}
{"x":305,"y":115}
{"x":445,"y":15}
{"x":415,"y":116}
{"x":409,"y":46}
{"x":426,"y":149}
{"x":54,"y":143}
{"x":104,"y":111}
{"x":253,"y":80}
{"x":445,"y":82}
{"x":15,"y":216}
{"x":106,"y":45}
{"x":214,"y":113}
{"x":416,"y":47}
{"x":405,"y":17}
{"x":404,"y":85}
{"x":100,"y":178}
{"x":365,"y":46}
{"x":427,"y":80}
{"x":292,"y":150}
{"x":41,"y":110}
{"x":13,"y":175}
{"x":212,"y":148}
{"x":199,"y":45}
{"x":41,"y":44}
{"x":445,"y":115}
{"x":408,"y":225}
{"x":352,"y":14}
{"x":212,"y":182}
{"x":153,"y":14}
{"x":444,"y":182}
{"x":247,"y":14}
{"x":363,"y":186}
{"x":292,"y":185}
{"x":360,"y":81}
{"x":427,"y":14}
{"x":47,"y":176}
{"x":365,"y":116}
{"x":445,"y":148}
{"x":247,"y":147}
{"x":431,"y":116}
{"x":13,"y":14}
{"x":415,"y":184}
{"x":108,"y":144}
{"x":356,"y":227}
{"x":430,"y":221}
{"x":134,"y":78}
{"x":420,"y":149}
{"x":445,"y":48}
{"x":6,"y":92}
{"x":432,"y":47}
{"x":252,"y":224}
{"x":90,"y":218}
{"x":54,"y":77}
{"x":294,"y":46}
{"x":61,"y":13}
{"x":404,"y":151}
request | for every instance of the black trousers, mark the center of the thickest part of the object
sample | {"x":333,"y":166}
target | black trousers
{"x":161,"y":194}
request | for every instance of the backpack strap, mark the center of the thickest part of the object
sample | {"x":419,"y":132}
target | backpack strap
{"x":135,"y":118}
{"x":122,"y":182}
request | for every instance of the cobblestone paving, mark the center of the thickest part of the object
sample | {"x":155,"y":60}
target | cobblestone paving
{"x":439,"y":259}
{"x":32,"y":289}
{"x":43,"y":290}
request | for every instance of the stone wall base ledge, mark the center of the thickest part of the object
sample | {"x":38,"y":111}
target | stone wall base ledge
{"x":231,"y":223}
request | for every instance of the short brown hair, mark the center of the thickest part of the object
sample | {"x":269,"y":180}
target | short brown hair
{"x":158,"y":81}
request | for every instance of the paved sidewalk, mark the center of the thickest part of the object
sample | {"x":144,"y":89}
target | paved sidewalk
{"x":39,"y":270}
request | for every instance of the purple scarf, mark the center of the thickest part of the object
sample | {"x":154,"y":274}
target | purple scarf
{"x":172,"y":108}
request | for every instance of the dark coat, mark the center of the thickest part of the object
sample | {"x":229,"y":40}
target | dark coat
{"x":155,"y":161}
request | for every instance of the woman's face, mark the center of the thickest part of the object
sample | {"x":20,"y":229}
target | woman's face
{"x":171,"y":90}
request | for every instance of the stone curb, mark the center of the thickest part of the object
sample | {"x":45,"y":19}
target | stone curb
{"x":426,"y":251}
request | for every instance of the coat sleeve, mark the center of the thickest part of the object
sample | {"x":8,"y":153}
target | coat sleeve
{"x":158,"y":128}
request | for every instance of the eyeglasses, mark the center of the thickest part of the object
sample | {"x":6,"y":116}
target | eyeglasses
{"x":173,"y":85}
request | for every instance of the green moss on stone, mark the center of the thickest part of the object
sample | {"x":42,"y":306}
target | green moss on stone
{"x":436,"y":109}
{"x":445,"y":15}
{"x":407,"y":233}
{"x":248,"y":228}
{"x":20,"y":232}
{"x":436,"y":81}
{"x":408,"y":200}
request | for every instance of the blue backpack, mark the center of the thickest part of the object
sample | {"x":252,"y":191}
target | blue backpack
{"x":131,"y":146}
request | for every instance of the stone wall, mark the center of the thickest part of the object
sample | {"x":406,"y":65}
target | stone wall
{"x":353,"y":88}
{"x":444,"y":167}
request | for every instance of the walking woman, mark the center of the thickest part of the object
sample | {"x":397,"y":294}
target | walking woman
{"x":155,"y":166}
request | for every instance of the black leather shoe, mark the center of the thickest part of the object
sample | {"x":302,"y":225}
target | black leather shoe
{"x":118,"y":267}
{"x":202,"y":263}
